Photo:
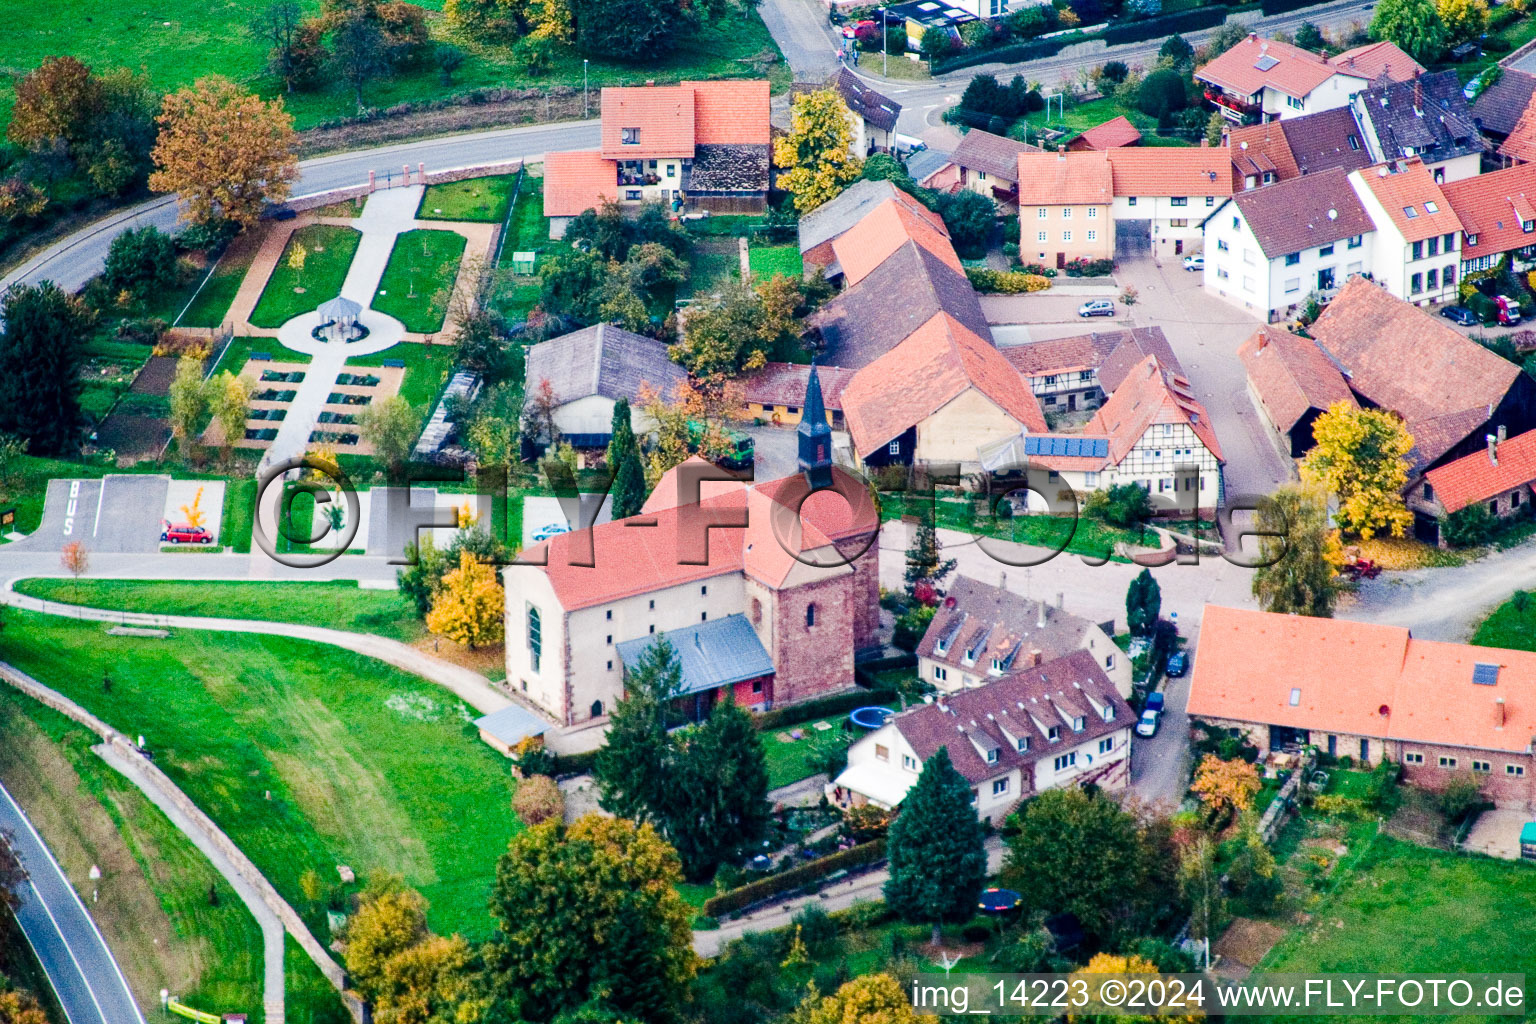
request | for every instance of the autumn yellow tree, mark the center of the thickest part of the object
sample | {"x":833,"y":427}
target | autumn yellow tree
{"x":1111,"y":964}
{"x":470,"y":606}
{"x":230,"y":397}
{"x":1361,"y":458}
{"x":815,"y":154}
{"x":226,"y":152}
{"x":869,"y":999}
{"x":409,"y":975}
{"x":1464,"y":19}
{"x":17,"y":1007}
{"x":1225,"y":786}
{"x":694,"y":420}
{"x":58,"y":101}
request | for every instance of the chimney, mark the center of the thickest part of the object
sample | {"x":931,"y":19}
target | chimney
{"x":1500,"y":702}
{"x":1040,"y":622}
{"x":943,"y":704}
{"x":1204,"y":143}
{"x":1501,"y":433}
{"x":1034,"y":657}
{"x":1493,"y":448}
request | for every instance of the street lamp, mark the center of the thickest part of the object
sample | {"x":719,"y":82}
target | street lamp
{"x":885,"y":51}
{"x":586,"y":110}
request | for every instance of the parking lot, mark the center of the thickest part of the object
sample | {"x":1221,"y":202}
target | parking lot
{"x":116,"y":514}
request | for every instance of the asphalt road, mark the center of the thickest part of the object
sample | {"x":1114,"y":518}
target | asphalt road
{"x":89,"y":984}
{"x":118,"y":513}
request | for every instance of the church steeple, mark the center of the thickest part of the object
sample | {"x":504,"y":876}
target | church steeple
{"x":815,"y":436}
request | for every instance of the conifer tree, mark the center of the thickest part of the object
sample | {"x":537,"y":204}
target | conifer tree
{"x":937,"y":861}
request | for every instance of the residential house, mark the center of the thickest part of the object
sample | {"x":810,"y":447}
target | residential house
{"x":1267,"y":80}
{"x":986,"y":164}
{"x":1066,"y":203}
{"x":1377,"y":61}
{"x":1417,"y":232}
{"x":1040,"y":727}
{"x":1497,"y":211}
{"x":872,"y":116}
{"x":1292,"y":382}
{"x":1268,"y":249}
{"x":1077,"y":373}
{"x":777,"y":392}
{"x":1500,"y":106}
{"x":1427,"y":119}
{"x":926,"y":164}
{"x":1263,"y":154}
{"x":589,"y":370}
{"x":1368,"y":692}
{"x":1160,"y":437}
{"x":700,"y":143}
{"x":1520,"y":145}
{"x":763,"y":591}
{"x":1499,"y":477}
{"x":1112,"y":134}
{"x":981,"y":632}
{"x":822,"y":226}
{"x":1163,"y":195}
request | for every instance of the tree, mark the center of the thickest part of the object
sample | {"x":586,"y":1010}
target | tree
{"x":719,"y":791}
{"x":449,"y":59}
{"x":1299,"y":565}
{"x":1413,"y":25}
{"x":61,"y":100}
{"x":624,"y":463}
{"x":40,"y":357}
{"x":1162,"y":93}
{"x":431,"y":982}
{"x":632,"y":29}
{"x":359,"y":51}
{"x":18,"y":1007}
{"x":277,"y":25}
{"x":470,"y":606}
{"x":1226,"y":36}
{"x":490,"y":439}
{"x":140,"y":262}
{"x":1215,"y":128}
{"x":632,"y":767}
{"x":1111,"y":964}
{"x":12,"y":448}
{"x":588,"y":912}
{"x":1143,"y":604}
{"x":925,"y":565}
{"x":75,"y":560}
{"x":189,"y":400}
{"x":1225,"y":787}
{"x":1200,"y":883}
{"x":814,"y":154}
{"x":1127,"y":506}
{"x":488,"y":20}
{"x":1361,"y":457}
{"x":867,"y":999}
{"x":1310,"y":37}
{"x":390,"y":918}
{"x":970,"y":218}
{"x":12,"y":874}
{"x":937,"y":860}
{"x":1077,"y":851}
{"x":1176,"y":51}
{"x":225,"y":151}
{"x":739,"y":330}
{"x":230,"y":398}
{"x":424,"y":570}
{"x":391,"y":425}
{"x":537,"y":799}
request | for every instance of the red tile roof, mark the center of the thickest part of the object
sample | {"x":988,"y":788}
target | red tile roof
{"x":1291,"y":375}
{"x":664,"y":114}
{"x":1150,"y":394}
{"x":785,"y":384}
{"x":730,"y":111}
{"x":933,"y":365}
{"x":1258,"y":149}
{"x":1357,"y":678}
{"x":1411,"y":187}
{"x":1373,"y":60}
{"x":1117,"y":131}
{"x":997,"y":155}
{"x":1295,"y":72}
{"x":1477,"y":477}
{"x":1064,"y":179}
{"x":1062,"y":355}
{"x":881,"y":232}
{"x":1304,"y":213}
{"x":1521,"y":142}
{"x":1160,"y":171}
{"x":577,"y":181}
{"x":1492,"y":207}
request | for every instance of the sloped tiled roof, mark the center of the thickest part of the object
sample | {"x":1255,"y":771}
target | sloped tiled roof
{"x":1498,"y":107}
{"x":785,"y":384}
{"x":1374,"y":60}
{"x":1008,"y":623}
{"x":1414,"y":202}
{"x":1064,"y":179}
{"x":1401,"y":358}
{"x":1329,"y":138}
{"x":1521,"y":143}
{"x":729,"y":112}
{"x":601,"y":360}
{"x":1479,"y":476}
{"x":1117,"y":131}
{"x":878,"y":110}
{"x":1063,"y":355}
{"x":577,"y":181}
{"x":1255,"y":63}
{"x":664,"y":114}
{"x":849,"y":206}
{"x":1166,"y":171}
{"x":1131,"y":348}
{"x":1291,"y":375}
{"x":883,"y":230}
{"x":1260,"y":149}
{"x":929,"y":368}
{"x":1426,"y":117}
{"x":1492,"y":207}
{"x":1357,"y":678}
{"x":994,"y":154}
{"x":1150,"y":394}
{"x":1304,"y":213}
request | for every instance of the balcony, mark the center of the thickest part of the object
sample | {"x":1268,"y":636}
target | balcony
{"x":1234,"y":108}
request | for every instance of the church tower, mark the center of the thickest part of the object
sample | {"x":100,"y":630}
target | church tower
{"x":815,"y":437}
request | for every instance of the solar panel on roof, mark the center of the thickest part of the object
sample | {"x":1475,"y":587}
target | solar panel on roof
{"x":1074,"y":447}
{"x":1265,"y":62}
{"x":1484,"y":674}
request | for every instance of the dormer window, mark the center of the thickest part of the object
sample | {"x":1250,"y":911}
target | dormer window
{"x":992,"y":755}
{"x":629,"y":136}
{"x":1109,"y":712}
{"x":1022,"y":743}
{"x":1054,"y":734}
{"x":997,"y":665}
{"x":1528,"y":226}
{"x":1077,"y":723}
{"x":1471,"y":238}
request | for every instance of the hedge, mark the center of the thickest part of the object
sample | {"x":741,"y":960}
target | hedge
{"x":1283,"y":6}
{"x":1014,"y":53}
{"x":574,"y":764}
{"x":1007,"y":282}
{"x":1164,"y":25}
{"x":795,"y":878}
{"x":822,"y":707}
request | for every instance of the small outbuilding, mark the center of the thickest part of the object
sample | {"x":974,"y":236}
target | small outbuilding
{"x":507,"y":728}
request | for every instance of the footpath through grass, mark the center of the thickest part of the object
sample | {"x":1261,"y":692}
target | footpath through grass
{"x":330,"y":250}
{"x":475,"y":199}
{"x":418,"y":282}
{"x":333,"y":604}
{"x":306,"y":755}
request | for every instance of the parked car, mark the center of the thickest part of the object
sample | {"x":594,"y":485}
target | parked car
{"x":1096,"y":307}
{"x":1509,"y":311}
{"x":1147,"y":726}
{"x":1178,"y":661}
{"x":865,"y":29}
{"x":1460,"y":315}
{"x":549,"y":530}
{"x":183,"y":533}
{"x":1155,"y":701}
{"x":1195,"y":262}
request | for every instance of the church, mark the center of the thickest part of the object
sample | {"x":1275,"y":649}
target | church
{"x":766,"y":590}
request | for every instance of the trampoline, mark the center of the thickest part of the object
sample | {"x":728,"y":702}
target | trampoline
{"x":995,"y":901}
{"x":869,"y":717}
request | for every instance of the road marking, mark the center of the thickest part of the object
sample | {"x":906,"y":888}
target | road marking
{"x":101,"y":492}
{"x":69,"y":507}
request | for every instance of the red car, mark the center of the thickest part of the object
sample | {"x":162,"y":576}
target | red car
{"x":860,"y":30}
{"x":183,"y":533}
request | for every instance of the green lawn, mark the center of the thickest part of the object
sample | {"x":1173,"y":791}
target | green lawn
{"x":426,"y":370}
{"x":1084,"y":535}
{"x":211,"y":305}
{"x":769,"y":260}
{"x":477,"y":199}
{"x":789,"y":762}
{"x":1408,"y":909}
{"x":1506,"y":627}
{"x":307,"y":756}
{"x":26,"y":486}
{"x":529,"y":228}
{"x":418,"y":282}
{"x":336,"y":605}
{"x":713,"y":264}
{"x":331,"y":248}
{"x":239,"y":515}
{"x":239,"y":350}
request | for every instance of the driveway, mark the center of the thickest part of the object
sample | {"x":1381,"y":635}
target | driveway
{"x":1160,"y":765}
{"x":1497,"y":832}
{"x":1049,"y":307}
{"x":775,"y":451}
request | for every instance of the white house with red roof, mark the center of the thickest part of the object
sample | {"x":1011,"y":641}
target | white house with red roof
{"x":1418,"y":235}
{"x":1268,"y":80}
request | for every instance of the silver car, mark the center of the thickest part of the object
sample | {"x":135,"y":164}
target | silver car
{"x":1096,"y":307}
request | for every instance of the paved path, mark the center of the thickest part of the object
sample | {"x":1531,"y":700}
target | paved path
{"x":80,"y":967}
{"x":132,"y":768}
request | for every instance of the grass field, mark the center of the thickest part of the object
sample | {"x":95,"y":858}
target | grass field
{"x":210,"y":306}
{"x":331,"y":248}
{"x":426,"y":370}
{"x":769,"y":260}
{"x":713,"y":264}
{"x":477,"y":199}
{"x":307,"y":756}
{"x":239,"y":515}
{"x":1082,"y":536}
{"x":418,"y":281}
{"x":789,"y":762}
{"x":336,"y":605}
{"x":1506,"y":627}
{"x":239,"y":350}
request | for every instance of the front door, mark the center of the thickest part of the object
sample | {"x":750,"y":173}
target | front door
{"x":1325,"y":280}
{"x":1071,"y":403}
{"x":1333,"y":746}
{"x":1061,"y":261}
{"x":1178,"y":246}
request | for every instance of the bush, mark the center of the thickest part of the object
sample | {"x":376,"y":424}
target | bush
{"x":911,"y":626}
{"x":575,"y":764}
{"x":1084,"y":267}
{"x":1016,"y":53}
{"x":1127,"y":506}
{"x":705,"y":923}
{"x":1459,"y":797}
{"x":804,"y":876}
{"x":1008,"y":282}
{"x":1338,"y":806}
{"x":823,"y":707}
{"x":1468,"y":527}
{"x":140,"y":262}
{"x":817,"y":929}
{"x":976,"y":933}
{"x":1162,"y":94}
{"x":1114,"y":72}
{"x":537,"y":799}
